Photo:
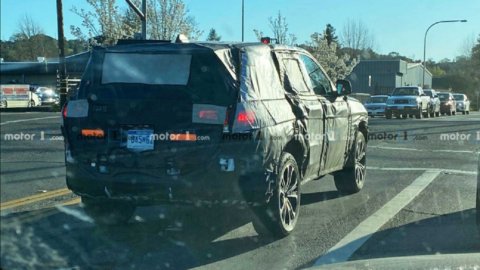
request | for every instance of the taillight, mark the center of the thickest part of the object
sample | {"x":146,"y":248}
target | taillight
{"x":246,"y":116}
{"x":64,"y":111}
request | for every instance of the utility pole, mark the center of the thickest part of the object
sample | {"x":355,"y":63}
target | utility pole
{"x":142,"y":14}
{"x":243,"y":20}
{"x":61,"y":55}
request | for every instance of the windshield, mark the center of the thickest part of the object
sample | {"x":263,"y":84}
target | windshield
{"x":377,"y":100}
{"x":443,"y":96}
{"x":405,"y":92}
{"x":239,"y":134}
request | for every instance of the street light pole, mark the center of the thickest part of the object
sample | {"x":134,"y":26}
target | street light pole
{"x":425,"y":46}
{"x":62,"y":69}
{"x":243,"y":20}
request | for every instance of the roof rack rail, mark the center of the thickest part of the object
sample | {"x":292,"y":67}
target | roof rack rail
{"x":140,"y":41}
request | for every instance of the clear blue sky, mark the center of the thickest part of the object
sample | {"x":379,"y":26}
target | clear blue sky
{"x":399,"y":25}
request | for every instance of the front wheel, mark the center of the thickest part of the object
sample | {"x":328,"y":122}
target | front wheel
{"x":105,"y":212}
{"x":419,"y":114}
{"x":388,"y":115}
{"x":351,"y":178}
{"x":280,"y":215}
{"x":437,"y":114}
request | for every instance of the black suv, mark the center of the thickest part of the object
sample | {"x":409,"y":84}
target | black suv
{"x":209,"y":123}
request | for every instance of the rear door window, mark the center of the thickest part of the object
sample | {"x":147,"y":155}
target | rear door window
{"x":154,"y":69}
{"x":294,"y":76}
{"x":320,"y":82}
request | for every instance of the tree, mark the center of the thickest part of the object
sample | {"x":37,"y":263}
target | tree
{"x":467,"y":45}
{"x":105,"y":25}
{"x":437,"y":72}
{"x":336,"y":67}
{"x":168,"y":18}
{"x":279,"y":28}
{"x":212,"y":36}
{"x":330,"y":34}
{"x":28,"y":39}
{"x":356,"y":36}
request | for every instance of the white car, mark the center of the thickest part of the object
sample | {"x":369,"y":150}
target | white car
{"x":463,"y":103}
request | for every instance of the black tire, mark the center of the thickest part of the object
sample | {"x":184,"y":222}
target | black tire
{"x":107,"y":213}
{"x":437,"y":114}
{"x":454,"y":112}
{"x":410,"y":115}
{"x":388,"y":115}
{"x":279,"y":216}
{"x":463,"y":113}
{"x":468,"y":112}
{"x":352,"y":178}
{"x":419,"y":114}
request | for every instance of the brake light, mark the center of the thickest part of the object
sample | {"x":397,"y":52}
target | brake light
{"x":246,"y":116}
{"x":208,"y":114}
{"x":64,"y":111}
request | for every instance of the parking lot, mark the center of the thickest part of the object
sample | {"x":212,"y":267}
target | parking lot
{"x":418,"y":199}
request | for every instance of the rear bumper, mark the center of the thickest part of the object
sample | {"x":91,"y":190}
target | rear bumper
{"x":379,"y":112}
{"x":150,"y":186}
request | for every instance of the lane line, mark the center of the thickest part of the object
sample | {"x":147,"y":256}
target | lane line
{"x":423,"y":169}
{"x":26,"y":120}
{"x":426,"y":150}
{"x":356,"y":238}
{"x":38,"y":214}
{"x":34,"y":198}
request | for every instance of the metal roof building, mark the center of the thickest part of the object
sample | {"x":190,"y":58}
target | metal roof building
{"x":382,"y":76}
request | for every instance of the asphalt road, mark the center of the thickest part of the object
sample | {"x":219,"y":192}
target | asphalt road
{"x":419,"y":199}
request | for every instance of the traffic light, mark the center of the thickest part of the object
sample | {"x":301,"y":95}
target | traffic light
{"x":265,"y":40}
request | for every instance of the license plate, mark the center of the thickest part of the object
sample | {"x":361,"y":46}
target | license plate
{"x":140,"y":139}
{"x":400,"y":107}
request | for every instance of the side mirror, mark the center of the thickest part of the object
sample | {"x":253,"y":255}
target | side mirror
{"x":344,"y":88}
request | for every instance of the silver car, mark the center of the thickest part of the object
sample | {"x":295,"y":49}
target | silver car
{"x":463,"y":103}
{"x":376,"y":105}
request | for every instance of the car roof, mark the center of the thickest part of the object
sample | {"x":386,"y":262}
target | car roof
{"x":379,"y":96}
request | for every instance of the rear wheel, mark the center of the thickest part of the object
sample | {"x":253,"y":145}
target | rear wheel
{"x":437,"y":114}
{"x":463,"y":113}
{"x":279,"y":216}
{"x":351,"y":179}
{"x":468,"y":112}
{"x":105,"y":212}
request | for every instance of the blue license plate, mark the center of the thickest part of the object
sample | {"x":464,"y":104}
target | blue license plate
{"x":140,"y":139}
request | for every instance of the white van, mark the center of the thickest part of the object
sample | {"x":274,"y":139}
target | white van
{"x":18,"y":96}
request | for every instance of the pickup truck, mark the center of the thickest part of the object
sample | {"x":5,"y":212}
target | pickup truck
{"x":408,"y":101}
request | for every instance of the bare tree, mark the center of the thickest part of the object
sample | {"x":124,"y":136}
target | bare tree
{"x":467,"y":45}
{"x":168,"y":18}
{"x":356,"y":36}
{"x":27,"y":32}
{"x":279,"y":27}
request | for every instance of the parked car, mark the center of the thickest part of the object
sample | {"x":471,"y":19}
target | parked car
{"x":18,"y":96}
{"x":376,"y":105}
{"x":408,"y":100}
{"x":448,"y":103}
{"x":47,"y":95}
{"x":463,"y":103}
{"x":435,"y":103}
{"x":277,"y":100}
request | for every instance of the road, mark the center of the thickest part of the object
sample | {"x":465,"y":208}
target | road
{"x":419,"y":199}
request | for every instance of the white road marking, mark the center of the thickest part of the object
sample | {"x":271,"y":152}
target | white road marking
{"x":31,"y":119}
{"x":428,"y":150}
{"x":423,"y":169}
{"x":393,"y":148}
{"x":356,"y":238}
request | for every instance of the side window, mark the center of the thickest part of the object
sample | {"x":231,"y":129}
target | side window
{"x":293,"y":79}
{"x":320,"y":83}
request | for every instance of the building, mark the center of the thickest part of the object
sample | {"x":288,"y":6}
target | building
{"x":42,"y":73}
{"x":382,"y":76}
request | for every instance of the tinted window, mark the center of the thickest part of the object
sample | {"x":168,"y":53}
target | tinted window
{"x":444,"y":96}
{"x":429,"y":93}
{"x":377,"y":100}
{"x":458,"y":97}
{"x":320,"y":82}
{"x":405,"y":92}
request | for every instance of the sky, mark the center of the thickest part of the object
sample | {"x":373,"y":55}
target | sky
{"x":399,"y":25}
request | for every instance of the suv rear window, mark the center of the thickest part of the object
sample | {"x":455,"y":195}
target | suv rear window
{"x":154,"y":69}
